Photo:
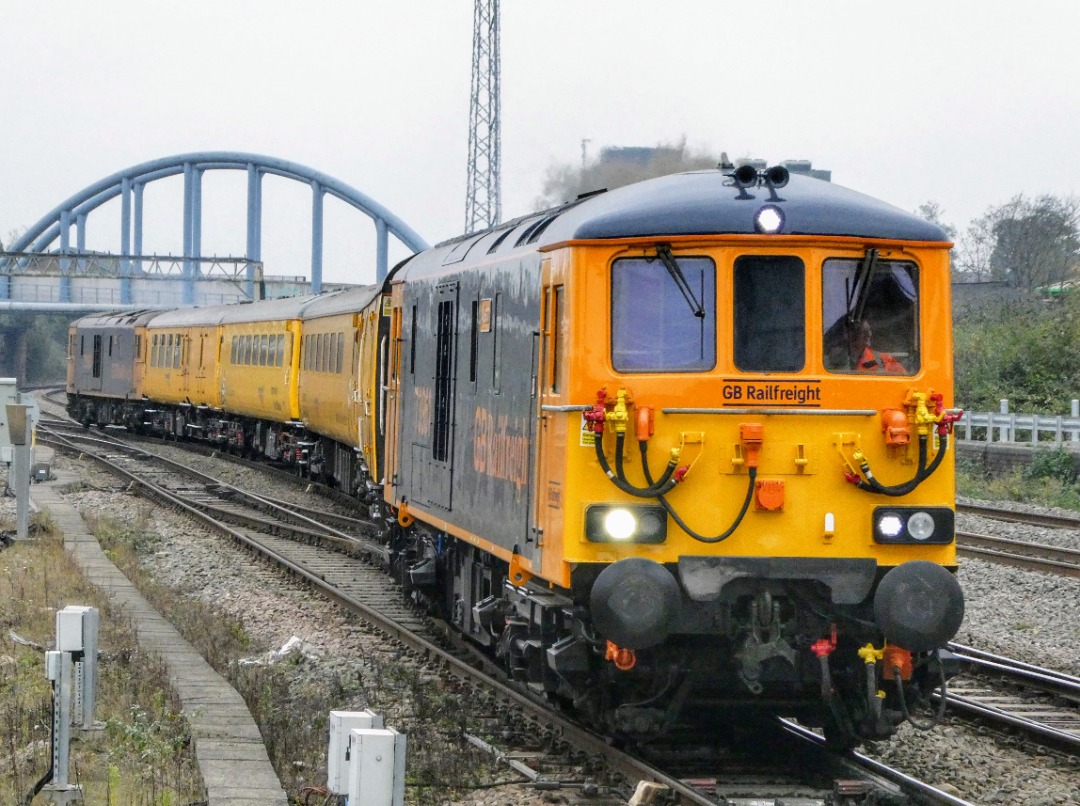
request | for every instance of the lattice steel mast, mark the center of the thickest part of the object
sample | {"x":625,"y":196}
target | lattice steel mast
{"x":483,"y":195}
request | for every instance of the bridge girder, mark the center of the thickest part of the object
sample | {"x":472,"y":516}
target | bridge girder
{"x":129,"y":184}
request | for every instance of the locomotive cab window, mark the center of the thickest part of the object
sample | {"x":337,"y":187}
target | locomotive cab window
{"x":663,"y":314}
{"x":870,"y":315}
{"x":770,"y":313}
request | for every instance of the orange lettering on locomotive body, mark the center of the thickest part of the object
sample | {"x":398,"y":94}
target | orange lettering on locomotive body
{"x":498,"y":451}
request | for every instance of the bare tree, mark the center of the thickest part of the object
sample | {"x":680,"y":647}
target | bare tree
{"x":1028,"y":243}
{"x":932,"y":212}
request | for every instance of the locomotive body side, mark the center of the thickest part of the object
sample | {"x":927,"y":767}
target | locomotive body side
{"x":106,"y":360}
{"x":466,"y":402}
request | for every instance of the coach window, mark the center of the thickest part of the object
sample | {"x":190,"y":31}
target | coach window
{"x":770,"y":313}
{"x":870,"y":311}
{"x":663,"y":314}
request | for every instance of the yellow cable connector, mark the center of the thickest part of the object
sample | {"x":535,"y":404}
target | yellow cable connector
{"x":871,"y":655}
{"x":619,"y":417}
{"x":924,"y":419}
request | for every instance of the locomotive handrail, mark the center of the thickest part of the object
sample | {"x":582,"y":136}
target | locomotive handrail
{"x":768,"y":412}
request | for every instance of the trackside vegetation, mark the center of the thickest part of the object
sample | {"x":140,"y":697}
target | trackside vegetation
{"x":142,"y":755}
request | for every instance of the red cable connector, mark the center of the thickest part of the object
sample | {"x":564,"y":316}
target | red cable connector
{"x":824,"y":647}
{"x":596,"y":416}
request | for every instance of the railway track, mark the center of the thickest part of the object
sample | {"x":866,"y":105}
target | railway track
{"x":1019,"y":553}
{"x":1039,"y":703}
{"x":310,"y":547}
{"x":1011,"y":515}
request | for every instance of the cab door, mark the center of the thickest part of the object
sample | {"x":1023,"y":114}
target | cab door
{"x":553,"y":418}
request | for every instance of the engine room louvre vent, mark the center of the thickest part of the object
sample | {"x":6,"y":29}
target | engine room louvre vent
{"x":458,"y":253}
{"x":543,"y":225}
{"x":528,"y":231}
{"x":498,"y":241}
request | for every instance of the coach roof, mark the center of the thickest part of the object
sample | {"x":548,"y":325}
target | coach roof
{"x":264,"y":311}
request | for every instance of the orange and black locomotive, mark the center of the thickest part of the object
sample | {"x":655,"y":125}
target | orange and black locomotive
{"x":671,"y":450}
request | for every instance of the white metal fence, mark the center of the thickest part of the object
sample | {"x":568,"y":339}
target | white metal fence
{"x":1021,"y":429}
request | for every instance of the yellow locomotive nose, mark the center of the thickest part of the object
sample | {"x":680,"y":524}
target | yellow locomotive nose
{"x":635,"y":603}
{"x":919,"y":606}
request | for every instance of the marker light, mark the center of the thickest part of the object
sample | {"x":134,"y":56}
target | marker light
{"x":890,"y":525}
{"x":620,"y":524}
{"x":769,"y":219}
{"x":921,"y":525}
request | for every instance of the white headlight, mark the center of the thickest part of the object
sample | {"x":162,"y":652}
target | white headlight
{"x":921,"y":525}
{"x":769,"y":219}
{"x":890,"y":525}
{"x":620,"y":524}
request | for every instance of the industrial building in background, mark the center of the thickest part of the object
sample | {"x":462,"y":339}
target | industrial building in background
{"x":483,"y":193}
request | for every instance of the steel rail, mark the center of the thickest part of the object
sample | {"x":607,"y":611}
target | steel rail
{"x":1062,"y":684}
{"x":1013,"y":516}
{"x":863,"y":763}
{"x":1046,"y":681}
{"x":1019,"y":553}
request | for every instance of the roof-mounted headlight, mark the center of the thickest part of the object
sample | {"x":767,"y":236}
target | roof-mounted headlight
{"x":769,"y":219}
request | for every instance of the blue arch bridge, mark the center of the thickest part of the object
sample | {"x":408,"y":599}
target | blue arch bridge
{"x":45,"y":271}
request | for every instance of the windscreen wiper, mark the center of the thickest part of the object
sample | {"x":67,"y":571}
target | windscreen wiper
{"x":672,"y":265}
{"x":861,"y":291}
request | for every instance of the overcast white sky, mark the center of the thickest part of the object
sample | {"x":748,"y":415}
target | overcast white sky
{"x":965,"y":102}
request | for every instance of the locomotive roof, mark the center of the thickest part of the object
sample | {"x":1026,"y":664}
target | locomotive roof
{"x":695,"y":203}
{"x":709,"y":203}
{"x":236,"y":313}
{"x":117,"y":318}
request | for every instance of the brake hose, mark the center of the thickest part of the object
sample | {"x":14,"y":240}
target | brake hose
{"x":752,"y":472}
{"x":871,"y":484}
{"x":903,"y":702}
{"x":652,"y":491}
{"x":654,"y":486}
